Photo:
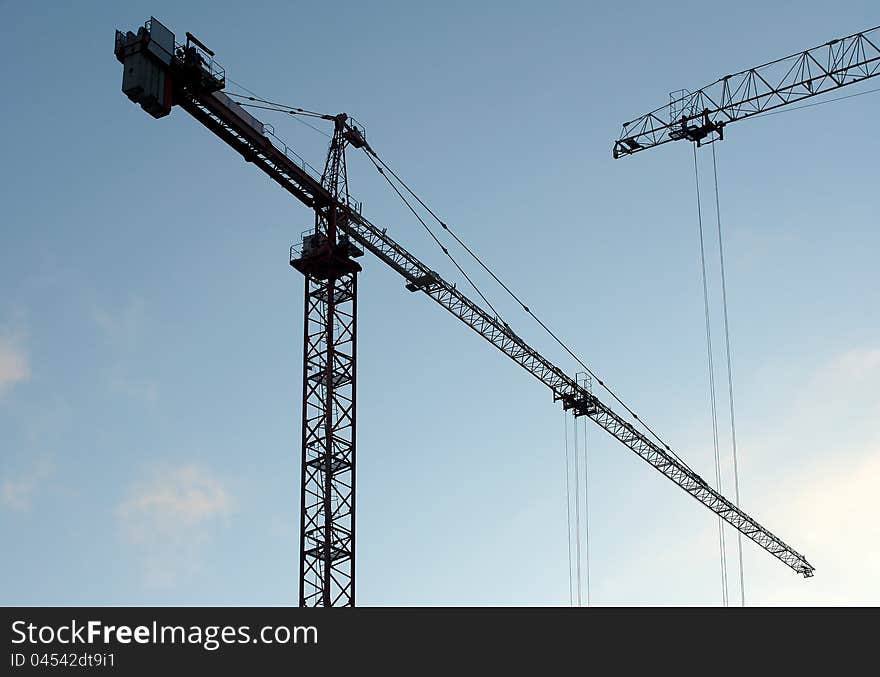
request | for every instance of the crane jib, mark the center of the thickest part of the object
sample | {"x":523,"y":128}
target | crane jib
{"x":701,"y":115}
{"x":572,"y":395}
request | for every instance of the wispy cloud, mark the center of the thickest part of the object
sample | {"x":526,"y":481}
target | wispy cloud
{"x":171,"y":517}
{"x":14,"y":364}
{"x":825,"y":494}
{"x":832,"y":506}
{"x":810,"y":476}
{"x":18,"y":492}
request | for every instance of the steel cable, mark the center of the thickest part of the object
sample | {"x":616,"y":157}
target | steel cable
{"x":434,"y":237}
{"x":568,"y":509}
{"x":724,"y":588}
{"x":742,"y":585}
{"x":586,"y":512}
{"x":577,"y":509}
{"x":372,"y":154}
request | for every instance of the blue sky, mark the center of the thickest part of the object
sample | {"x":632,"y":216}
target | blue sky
{"x":150,"y":327}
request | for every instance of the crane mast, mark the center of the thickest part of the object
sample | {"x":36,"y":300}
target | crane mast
{"x":329,"y":392}
{"x":701,"y":115}
{"x":192,"y":80}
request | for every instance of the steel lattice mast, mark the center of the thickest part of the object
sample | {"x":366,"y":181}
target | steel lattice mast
{"x":327,"y":537}
{"x":701,"y":115}
{"x":329,"y":392}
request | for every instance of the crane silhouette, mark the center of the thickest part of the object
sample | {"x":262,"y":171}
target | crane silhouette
{"x":159,"y":74}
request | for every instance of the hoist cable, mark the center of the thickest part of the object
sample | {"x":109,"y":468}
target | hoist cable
{"x":742,"y":586}
{"x":577,"y":508}
{"x":568,"y":509}
{"x":586,"y":511}
{"x":372,"y":154}
{"x":724,"y":589}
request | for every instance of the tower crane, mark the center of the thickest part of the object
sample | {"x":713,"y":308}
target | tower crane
{"x":159,"y":73}
{"x":701,"y":115}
